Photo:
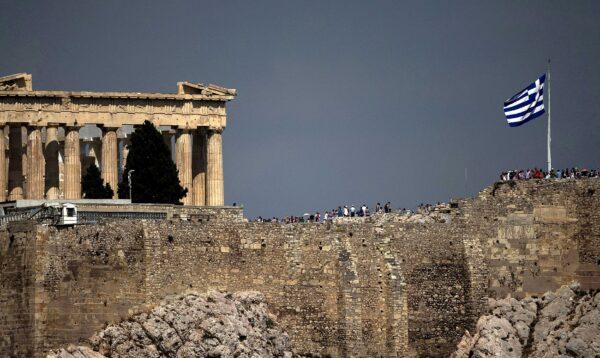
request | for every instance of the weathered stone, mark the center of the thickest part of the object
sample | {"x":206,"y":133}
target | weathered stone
{"x":76,"y":352}
{"x":567,"y":324}
{"x":195,"y":106}
{"x":192,"y":325}
{"x":375,"y":286}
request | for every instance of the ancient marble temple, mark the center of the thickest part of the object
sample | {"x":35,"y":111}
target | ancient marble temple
{"x":43,"y":154}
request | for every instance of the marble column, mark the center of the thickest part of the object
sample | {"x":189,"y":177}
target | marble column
{"x":6,"y":133}
{"x":51,"y":149}
{"x":25,"y":165}
{"x":199,"y":167}
{"x":184,"y":162}
{"x":3,"y":176}
{"x":15,"y":163}
{"x":36,"y":165}
{"x":110,"y":159}
{"x":72,"y":164}
{"x":214,"y":168}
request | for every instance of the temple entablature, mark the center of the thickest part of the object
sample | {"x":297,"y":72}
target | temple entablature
{"x":195,"y":105}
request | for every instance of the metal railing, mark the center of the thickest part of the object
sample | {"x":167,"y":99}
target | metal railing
{"x":40,"y":214}
{"x":95,"y":215}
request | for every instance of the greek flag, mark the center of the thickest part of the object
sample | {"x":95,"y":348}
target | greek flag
{"x":527,"y":104}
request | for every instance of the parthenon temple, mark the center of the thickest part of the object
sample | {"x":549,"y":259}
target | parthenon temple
{"x":44,"y":155}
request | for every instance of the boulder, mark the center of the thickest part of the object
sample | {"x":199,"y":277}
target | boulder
{"x":565,"y":323}
{"x":192,"y":325}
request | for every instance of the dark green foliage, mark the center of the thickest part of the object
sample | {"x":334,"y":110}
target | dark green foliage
{"x":92,"y":185}
{"x":154,"y":176}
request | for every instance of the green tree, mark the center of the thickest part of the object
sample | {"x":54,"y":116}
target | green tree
{"x":154,"y":177}
{"x":92,"y":185}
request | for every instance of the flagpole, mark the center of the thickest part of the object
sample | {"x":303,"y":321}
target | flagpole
{"x":549,"y":138}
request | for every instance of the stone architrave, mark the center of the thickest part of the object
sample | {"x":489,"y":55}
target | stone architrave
{"x":36,"y":165}
{"x":51,"y":149}
{"x":15,"y":165}
{"x":199,"y":167}
{"x":214,"y":168}
{"x":72,"y":164}
{"x":184,"y":163}
{"x":110,"y":159}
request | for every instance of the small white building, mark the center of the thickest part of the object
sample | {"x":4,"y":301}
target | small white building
{"x":68,"y":214}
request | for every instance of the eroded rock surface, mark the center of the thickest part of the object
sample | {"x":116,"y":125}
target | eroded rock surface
{"x":565,"y":323}
{"x":192,"y":325}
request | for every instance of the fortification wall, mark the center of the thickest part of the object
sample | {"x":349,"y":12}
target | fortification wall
{"x":537,"y":235}
{"x":85,"y":278}
{"x":338,"y":289}
{"x":17,"y":274}
{"x":379,"y":286}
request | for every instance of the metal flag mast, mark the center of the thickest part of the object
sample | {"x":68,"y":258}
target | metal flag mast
{"x":549,"y":138}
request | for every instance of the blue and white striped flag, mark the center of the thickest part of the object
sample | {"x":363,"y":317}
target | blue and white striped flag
{"x":527,"y":104}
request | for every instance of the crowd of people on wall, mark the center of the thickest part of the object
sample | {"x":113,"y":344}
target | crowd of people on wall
{"x":349,"y":212}
{"x":342,"y":211}
{"x":363,"y":210}
{"x":536,"y":173}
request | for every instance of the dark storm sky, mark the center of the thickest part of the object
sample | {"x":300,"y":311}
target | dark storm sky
{"x":339,"y":101}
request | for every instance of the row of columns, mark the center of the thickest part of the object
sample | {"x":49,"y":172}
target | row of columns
{"x":39,"y":164}
{"x":199,"y":161}
{"x":198,"y":156}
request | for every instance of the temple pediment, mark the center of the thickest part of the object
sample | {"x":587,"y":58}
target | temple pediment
{"x":206,"y":90}
{"x":16,"y":82}
{"x":20,"y":84}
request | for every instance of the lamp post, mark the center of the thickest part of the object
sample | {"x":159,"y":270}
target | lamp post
{"x":129,"y":182}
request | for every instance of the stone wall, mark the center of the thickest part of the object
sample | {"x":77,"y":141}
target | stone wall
{"x":538,"y":235}
{"x":85,"y":278}
{"x":379,"y":286}
{"x":17,"y":275}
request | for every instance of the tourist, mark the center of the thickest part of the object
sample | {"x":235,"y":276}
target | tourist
{"x":572,"y":173}
{"x":388,"y":207}
{"x":363,"y":210}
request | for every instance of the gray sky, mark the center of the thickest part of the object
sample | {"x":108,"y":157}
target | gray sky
{"x":339,"y":101}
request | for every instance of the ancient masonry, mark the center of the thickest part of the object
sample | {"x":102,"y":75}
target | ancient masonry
{"x":383,"y":286}
{"x":41,"y":166}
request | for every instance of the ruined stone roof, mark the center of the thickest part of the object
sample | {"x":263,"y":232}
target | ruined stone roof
{"x":199,"y":88}
{"x":15,"y":77}
{"x":186,"y":91}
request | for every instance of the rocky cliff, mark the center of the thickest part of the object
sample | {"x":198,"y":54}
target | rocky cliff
{"x":564,"y":323}
{"x":191,"y":325}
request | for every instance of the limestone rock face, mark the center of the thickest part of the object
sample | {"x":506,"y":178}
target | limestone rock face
{"x":565,"y":323}
{"x":76,"y":352}
{"x":192,"y":325}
